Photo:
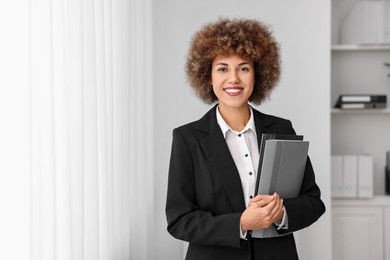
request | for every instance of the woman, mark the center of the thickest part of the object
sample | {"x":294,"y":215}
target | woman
{"x":211,"y":200}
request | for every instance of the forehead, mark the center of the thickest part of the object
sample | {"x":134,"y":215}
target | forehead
{"x":231,"y":60}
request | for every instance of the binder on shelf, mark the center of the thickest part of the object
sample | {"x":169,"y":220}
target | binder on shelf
{"x":361,"y":101}
{"x":337,"y":176}
{"x":362,"y":98}
{"x":350,"y":176}
{"x":362,"y":105}
{"x":283,"y":167}
{"x":365,"y":176}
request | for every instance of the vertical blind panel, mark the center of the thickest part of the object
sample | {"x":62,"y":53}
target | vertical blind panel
{"x":74,"y":21}
{"x":147,"y":50}
{"x":117,"y":143}
{"x":137,"y":230}
{"x":124,"y":41}
{"x":122,"y":132}
{"x":41,"y":81}
{"x":140,"y":67}
{"x":91,"y":195}
{"x":102,"y":149}
{"x":61,"y":138}
{"x":107,"y":4}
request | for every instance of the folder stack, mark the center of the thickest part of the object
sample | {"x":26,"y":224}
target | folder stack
{"x":352,"y":176}
{"x":282,"y":164}
{"x":360,"y":101}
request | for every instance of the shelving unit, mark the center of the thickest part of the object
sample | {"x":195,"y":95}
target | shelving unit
{"x":360,"y":69}
{"x":358,"y":224}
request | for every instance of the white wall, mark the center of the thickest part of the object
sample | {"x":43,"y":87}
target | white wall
{"x":303,"y":29}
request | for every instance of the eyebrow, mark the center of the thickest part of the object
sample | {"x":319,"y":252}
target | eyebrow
{"x":225,"y":64}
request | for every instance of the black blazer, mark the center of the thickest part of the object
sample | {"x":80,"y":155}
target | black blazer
{"x":205,"y":198}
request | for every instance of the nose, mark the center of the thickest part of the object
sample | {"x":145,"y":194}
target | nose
{"x":233,"y":77}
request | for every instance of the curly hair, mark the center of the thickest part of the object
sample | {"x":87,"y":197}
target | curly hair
{"x":247,"y":38}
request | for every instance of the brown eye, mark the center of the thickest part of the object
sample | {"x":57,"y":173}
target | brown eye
{"x":244,"y":69}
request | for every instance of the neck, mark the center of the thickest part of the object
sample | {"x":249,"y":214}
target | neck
{"x":236,"y":118}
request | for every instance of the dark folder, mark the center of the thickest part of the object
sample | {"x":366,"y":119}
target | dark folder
{"x":282,"y":164}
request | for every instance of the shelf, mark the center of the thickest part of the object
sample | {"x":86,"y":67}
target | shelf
{"x":375,"y":201}
{"x":336,"y":111}
{"x":352,"y":47}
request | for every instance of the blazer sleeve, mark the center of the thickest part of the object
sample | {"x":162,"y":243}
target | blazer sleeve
{"x":308,"y":207}
{"x":186,"y":220}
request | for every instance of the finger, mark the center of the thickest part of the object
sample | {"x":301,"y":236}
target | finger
{"x":274,"y":208}
{"x":279,"y":199}
{"x":276,"y":196}
{"x":263,"y":202}
{"x":264,"y":198}
{"x":279,"y":215}
{"x":261,"y":197}
{"x":277,"y":212}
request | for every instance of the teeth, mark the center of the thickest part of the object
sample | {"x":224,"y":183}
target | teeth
{"x":232,"y":90}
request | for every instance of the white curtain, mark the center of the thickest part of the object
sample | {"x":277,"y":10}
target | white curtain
{"x":14,"y":131}
{"x":91,"y":129}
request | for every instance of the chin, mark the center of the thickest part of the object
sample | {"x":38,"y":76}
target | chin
{"x":236,"y":104}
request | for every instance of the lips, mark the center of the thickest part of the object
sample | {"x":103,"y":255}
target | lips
{"x":233,"y":91}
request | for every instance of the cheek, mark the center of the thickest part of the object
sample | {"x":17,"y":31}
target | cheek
{"x":215,"y":82}
{"x":215,"y":89}
{"x":251,"y":87}
{"x":213,"y":79}
{"x":253,"y":82}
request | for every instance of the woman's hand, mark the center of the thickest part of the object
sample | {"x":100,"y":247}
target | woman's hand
{"x":262,"y":212}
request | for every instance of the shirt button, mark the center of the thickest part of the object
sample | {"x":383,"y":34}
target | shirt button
{"x":250,"y":196}
{"x":250,"y":173}
{"x":239,"y":135}
{"x":246,"y":155}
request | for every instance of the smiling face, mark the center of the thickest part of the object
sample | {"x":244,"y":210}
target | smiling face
{"x":232,"y":78}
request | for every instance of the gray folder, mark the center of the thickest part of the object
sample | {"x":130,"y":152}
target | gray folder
{"x":282,"y":171}
{"x":283,"y":167}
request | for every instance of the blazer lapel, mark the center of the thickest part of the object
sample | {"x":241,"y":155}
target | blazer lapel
{"x":263,"y":124}
{"x":220,"y":159}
